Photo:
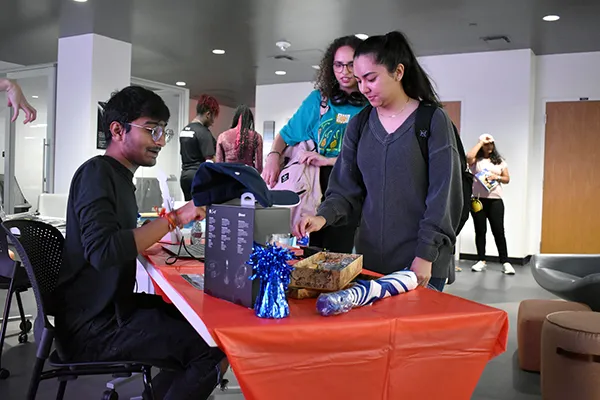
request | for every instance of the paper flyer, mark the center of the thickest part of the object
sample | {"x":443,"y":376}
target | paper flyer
{"x":484,"y":178}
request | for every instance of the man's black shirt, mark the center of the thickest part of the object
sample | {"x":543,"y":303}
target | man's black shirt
{"x":196,"y":145}
{"x":99,"y":267}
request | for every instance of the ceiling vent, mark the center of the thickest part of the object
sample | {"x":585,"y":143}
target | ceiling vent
{"x":498,"y":39}
{"x":282,"y":57}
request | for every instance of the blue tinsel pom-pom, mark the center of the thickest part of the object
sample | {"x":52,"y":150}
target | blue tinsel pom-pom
{"x":270,"y":266}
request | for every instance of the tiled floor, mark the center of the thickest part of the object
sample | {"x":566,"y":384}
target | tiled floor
{"x":501,"y":380}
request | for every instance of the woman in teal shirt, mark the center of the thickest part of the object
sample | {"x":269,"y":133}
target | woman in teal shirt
{"x":323,"y":118}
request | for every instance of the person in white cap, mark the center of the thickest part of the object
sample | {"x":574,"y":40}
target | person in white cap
{"x":491,"y":172}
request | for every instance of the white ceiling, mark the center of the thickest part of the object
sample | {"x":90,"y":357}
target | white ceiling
{"x":172,"y":40}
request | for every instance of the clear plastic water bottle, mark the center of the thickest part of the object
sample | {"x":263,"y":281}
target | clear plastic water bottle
{"x":334,"y":303}
{"x":196,"y":233}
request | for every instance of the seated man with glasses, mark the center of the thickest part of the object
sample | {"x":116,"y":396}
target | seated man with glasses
{"x":100,"y":318}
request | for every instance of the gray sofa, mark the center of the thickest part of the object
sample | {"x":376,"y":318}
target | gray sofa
{"x":574,"y":277}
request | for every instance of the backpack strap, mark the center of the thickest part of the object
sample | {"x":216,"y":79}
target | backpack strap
{"x":423,"y":127}
{"x":324,"y":106}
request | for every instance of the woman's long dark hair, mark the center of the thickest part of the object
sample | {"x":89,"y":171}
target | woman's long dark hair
{"x":393,"y":49}
{"x":495,"y":156}
{"x":243,"y":115}
{"x":326,"y":82}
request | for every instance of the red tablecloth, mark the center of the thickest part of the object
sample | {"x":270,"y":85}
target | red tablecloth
{"x":419,"y":345}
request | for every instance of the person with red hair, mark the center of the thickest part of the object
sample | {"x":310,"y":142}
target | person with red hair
{"x":197,"y":144}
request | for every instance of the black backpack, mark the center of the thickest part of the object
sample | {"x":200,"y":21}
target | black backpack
{"x":423,"y":131}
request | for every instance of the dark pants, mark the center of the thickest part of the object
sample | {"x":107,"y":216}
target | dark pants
{"x":186,"y":179}
{"x":437,"y":284}
{"x":338,"y":239}
{"x":493,"y":210}
{"x":155,"y":333}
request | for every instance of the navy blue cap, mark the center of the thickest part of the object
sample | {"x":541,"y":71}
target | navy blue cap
{"x":216,"y":183}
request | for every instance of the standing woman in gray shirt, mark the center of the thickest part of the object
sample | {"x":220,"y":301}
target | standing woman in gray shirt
{"x":410,"y":206}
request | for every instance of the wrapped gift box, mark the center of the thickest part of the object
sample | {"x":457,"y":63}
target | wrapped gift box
{"x":326,"y":271}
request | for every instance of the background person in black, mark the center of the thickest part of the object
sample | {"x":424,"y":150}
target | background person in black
{"x":197,"y":143}
{"x":100,"y":317}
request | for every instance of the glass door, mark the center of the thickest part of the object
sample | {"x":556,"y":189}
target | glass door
{"x":177,"y":100}
{"x":5,"y":127}
{"x":28,"y":153}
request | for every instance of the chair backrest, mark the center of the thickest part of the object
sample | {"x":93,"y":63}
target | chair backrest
{"x":7,"y":264}
{"x":39,"y":247}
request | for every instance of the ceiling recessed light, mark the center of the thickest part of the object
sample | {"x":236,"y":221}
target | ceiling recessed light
{"x":218,"y":51}
{"x":362,"y":36}
{"x":80,"y":1}
{"x":280,"y":72}
{"x":551,"y":18}
{"x":180,"y":83}
{"x":316,"y":66}
{"x":35,"y":97}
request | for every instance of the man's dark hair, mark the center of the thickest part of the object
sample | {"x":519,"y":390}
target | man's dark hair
{"x":129,"y":104}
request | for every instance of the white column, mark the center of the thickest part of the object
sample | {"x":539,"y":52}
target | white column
{"x":90,"y":68}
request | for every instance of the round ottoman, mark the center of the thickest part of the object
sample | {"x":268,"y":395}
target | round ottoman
{"x":571,"y":356}
{"x":531,"y":317}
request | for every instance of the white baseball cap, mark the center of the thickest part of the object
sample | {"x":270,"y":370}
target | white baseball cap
{"x":486,"y":136}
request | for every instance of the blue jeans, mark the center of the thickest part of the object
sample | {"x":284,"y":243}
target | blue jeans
{"x":437,"y":284}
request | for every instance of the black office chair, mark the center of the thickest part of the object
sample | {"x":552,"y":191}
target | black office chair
{"x":13,"y":279}
{"x":39,"y":247}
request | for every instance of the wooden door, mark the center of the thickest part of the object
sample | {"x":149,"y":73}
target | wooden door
{"x":570,"y":218}
{"x":453,"y":110}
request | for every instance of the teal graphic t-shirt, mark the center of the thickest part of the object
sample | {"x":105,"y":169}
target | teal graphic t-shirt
{"x":326,"y":131}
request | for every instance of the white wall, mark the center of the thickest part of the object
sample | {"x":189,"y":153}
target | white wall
{"x":223,"y":122}
{"x":560,"y":77}
{"x":90,"y":68}
{"x":278,"y":103}
{"x":496,"y":91}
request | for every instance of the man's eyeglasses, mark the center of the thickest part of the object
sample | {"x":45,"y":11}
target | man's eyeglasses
{"x":339,"y":66}
{"x":157,"y":132}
